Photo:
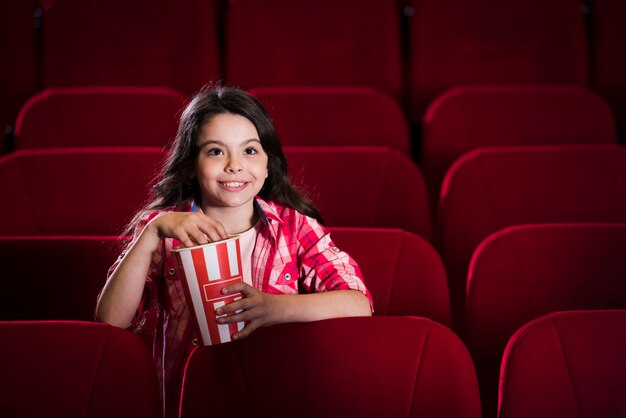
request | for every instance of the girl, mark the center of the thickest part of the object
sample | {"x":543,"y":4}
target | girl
{"x":226,"y":174}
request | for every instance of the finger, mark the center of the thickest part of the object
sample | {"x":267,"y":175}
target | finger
{"x":242,"y":316}
{"x":232,"y":307}
{"x":241,"y":287}
{"x":221,"y":231}
{"x":213,"y":235}
{"x":184,"y":239}
{"x":199,"y":237}
{"x":213,"y":228}
{"x":247,"y":330}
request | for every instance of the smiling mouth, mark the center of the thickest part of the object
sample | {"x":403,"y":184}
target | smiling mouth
{"x":233,"y":183}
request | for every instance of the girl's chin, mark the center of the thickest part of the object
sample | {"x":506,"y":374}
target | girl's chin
{"x":231,"y":203}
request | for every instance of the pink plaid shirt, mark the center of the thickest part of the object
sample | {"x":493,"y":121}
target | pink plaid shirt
{"x":293,"y":254}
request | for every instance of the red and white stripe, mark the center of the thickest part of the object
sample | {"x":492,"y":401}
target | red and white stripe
{"x":205,"y":271}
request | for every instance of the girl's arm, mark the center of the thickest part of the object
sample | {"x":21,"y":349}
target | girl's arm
{"x":123,"y":291}
{"x":262,"y":309}
{"x":120,"y":297}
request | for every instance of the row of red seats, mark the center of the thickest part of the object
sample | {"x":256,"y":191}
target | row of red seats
{"x":80,"y":191}
{"x":462,"y":119}
{"x":397,"y":367}
{"x":279,"y":42}
{"x":517,"y":274}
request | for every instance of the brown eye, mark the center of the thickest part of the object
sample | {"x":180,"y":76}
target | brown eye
{"x":214,"y":151}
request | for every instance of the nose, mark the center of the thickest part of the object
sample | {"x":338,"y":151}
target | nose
{"x":233,"y":165}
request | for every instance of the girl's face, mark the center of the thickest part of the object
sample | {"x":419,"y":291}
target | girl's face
{"x":231,"y":166}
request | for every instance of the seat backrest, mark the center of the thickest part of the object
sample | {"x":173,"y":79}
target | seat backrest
{"x":491,"y":188}
{"x":523,"y":272}
{"x":143,"y":42}
{"x":402,"y":271}
{"x":609,"y":65}
{"x":99,"y":116}
{"x":311,"y":116}
{"x":469,"y":117}
{"x":56,"y":278}
{"x":362,"y":186}
{"x":566,"y":364}
{"x":388,"y":366}
{"x":18,"y":78}
{"x":75,"y":369}
{"x":454,"y":42}
{"x":75,"y":191}
{"x":330,"y":44}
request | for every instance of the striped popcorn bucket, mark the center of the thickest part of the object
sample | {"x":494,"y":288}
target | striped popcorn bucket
{"x":204,"y":270}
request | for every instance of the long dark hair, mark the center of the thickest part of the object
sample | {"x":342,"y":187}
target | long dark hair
{"x":174,"y":184}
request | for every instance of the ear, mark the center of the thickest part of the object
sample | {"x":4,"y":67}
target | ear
{"x":267,"y":172}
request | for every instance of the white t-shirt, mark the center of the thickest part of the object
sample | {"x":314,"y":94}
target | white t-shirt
{"x":247,"y":239}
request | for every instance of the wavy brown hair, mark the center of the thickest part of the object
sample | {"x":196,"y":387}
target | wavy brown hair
{"x":174,"y":185}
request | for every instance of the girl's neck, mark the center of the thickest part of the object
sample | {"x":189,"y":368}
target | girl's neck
{"x":235,"y":220}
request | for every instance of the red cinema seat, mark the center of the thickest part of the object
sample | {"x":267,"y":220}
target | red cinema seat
{"x":609,"y":61}
{"x":74,"y":191}
{"x":18,"y":78}
{"x":456,"y":42}
{"x":99,"y":116}
{"x":491,"y":188}
{"x":54,"y":277}
{"x":283,"y":43}
{"x":143,"y":42}
{"x":362,"y":186}
{"x":75,"y":369}
{"x":311,"y":116}
{"x":346,"y":367}
{"x":403,"y":272}
{"x":566,"y":364}
{"x":469,"y":117}
{"x":523,"y":272}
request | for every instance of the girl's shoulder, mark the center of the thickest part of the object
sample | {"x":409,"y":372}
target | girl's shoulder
{"x":288,"y":218}
{"x":274,"y":211}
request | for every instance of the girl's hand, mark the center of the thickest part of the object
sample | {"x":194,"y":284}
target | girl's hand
{"x":190,"y":228}
{"x":258,"y":309}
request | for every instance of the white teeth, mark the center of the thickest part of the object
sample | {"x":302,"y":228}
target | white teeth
{"x":233,"y":184}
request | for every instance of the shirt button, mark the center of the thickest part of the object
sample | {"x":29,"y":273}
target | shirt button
{"x":194,"y":341}
{"x":287,"y":276}
{"x":335,"y":249}
{"x":171,"y":271}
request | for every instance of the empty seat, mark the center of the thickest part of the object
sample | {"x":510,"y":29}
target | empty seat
{"x":74,"y":191}
{"x":144,"y":42}
{"x":53,"y":277}
{"x":281,"y":43}
{"x":311,"y":116}
{"x":18,"y":76}
{"x":346,"y":367}
{"x":466,"y":118}
{"x":99,"y":116}
{"x":609,"y":65}
{"x":402,"y":271}
{"x":492,"y":188}
{"x":567,"y":364}
{"x":455,"y":42}
{"x":522,"y":272}
{"x":75,"y":369}
{"x":362,"y":186}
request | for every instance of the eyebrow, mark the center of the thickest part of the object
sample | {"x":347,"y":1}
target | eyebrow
{"x":217,"y":142}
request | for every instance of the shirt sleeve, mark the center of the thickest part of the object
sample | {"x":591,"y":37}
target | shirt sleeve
{"x":145,"y":318}
{"x":323,"y":265}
